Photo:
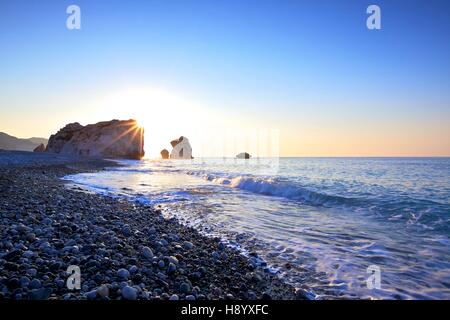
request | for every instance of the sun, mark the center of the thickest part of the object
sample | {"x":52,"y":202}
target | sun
{"x":162,"y":114}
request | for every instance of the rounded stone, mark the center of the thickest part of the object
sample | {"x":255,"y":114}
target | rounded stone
{"x":35,"y":284}
{"x":129,"y":293}
{"x":91,"y":295}
{"x":147,"y":253}
{"x":24,"y":282}
{"x":188,"y":245}
{"x":103,"y":291}
{"x":123,"y":273}
{"x":185,"y":288}
{"x":174,"y":297}
{"x":172,"y":267}
{"x":32,"y":272}
{"x":133,"y":269}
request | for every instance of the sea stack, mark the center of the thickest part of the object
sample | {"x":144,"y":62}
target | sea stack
{"x":164,"y":154}
{"x":108,"y":139}
{"x":181,"y":149}
{"x":243,"y":155}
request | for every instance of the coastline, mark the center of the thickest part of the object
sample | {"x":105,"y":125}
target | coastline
{"x":47,"y":227}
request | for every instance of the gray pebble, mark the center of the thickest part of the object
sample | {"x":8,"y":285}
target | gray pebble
{"x":129,"y":293}
{"x":188,"y":245}
{"x":91,"y":295}
{"x":147,"y":252}
{"x":172,"y":267}
{"x":185,"y":288}
{"x":35,"y":284}
{"x":174,"y":297}
{"x":123,"y":273}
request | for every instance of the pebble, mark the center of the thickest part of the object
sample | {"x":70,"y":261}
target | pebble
{"x":190,"y":297}
{"x":129,"y":293}
{"x":172,"y":267}
{"x":126,"y":230}
{"x":216,"y":255}
{"x":31,"y":272}
{"x":24,"y":282}
{"x":31,"y":237}
{"x":123,"y":273}
{"x":174,"y":260}
{"x":103,"y":291}
{"x":91,"y":295}
{"x":133,"y":269}
{"x":35,"y":284}
{"x":174,"y":297}
{"x":266,"y":296}
{"x":188,"y":245}
{"x":59,"y":283}
{"x":13,"y":283}
{"x":147,"y":252}
{"x":185,"y":287}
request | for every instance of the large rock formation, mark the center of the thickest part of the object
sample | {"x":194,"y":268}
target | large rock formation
{"x":108,"y":139}
{"x":181,"y":149}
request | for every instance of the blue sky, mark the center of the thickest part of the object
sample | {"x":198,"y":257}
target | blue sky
{"x":291,"y":63}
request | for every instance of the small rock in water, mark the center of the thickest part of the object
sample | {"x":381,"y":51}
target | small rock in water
{"x":123,"y":273}
{"x":147,"y":252}
{"x":129,"y":293}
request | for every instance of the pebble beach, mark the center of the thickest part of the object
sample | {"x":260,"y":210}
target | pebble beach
{"x":124,"y":250}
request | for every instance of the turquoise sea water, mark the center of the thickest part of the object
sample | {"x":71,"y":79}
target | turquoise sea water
{"x":318,"y":223}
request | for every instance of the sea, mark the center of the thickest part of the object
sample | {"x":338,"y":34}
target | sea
{"x":337,"y":228}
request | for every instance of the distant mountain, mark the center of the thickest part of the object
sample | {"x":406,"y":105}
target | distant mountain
{"x":38,"y":141}
{"x":8,"y":142}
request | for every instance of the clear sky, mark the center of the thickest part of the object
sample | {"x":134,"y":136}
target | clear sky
{"x":309,"y":69}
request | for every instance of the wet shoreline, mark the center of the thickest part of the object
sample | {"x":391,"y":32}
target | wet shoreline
{"x":124,"y":250}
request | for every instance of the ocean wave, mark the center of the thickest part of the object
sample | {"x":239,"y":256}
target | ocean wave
{"x":277,"y":188}
{"x":414,"y":212}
